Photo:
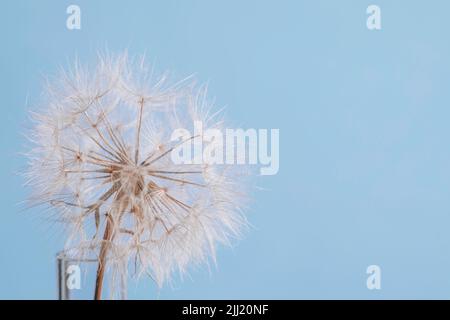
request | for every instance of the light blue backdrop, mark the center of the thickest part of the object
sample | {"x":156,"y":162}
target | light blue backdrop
{"x":364,"y":124}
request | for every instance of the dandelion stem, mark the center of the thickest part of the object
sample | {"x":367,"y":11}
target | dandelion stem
{"x":102,"y":260}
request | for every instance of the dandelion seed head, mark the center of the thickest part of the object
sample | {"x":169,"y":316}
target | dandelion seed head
{"x":100,"y":158}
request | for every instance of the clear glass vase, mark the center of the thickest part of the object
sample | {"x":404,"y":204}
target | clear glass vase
{"x":76,"y":277}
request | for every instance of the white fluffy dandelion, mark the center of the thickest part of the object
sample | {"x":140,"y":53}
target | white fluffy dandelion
{"x":100,"y":160}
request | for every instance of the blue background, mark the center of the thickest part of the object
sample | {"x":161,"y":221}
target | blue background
{"x":364,"y":124}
